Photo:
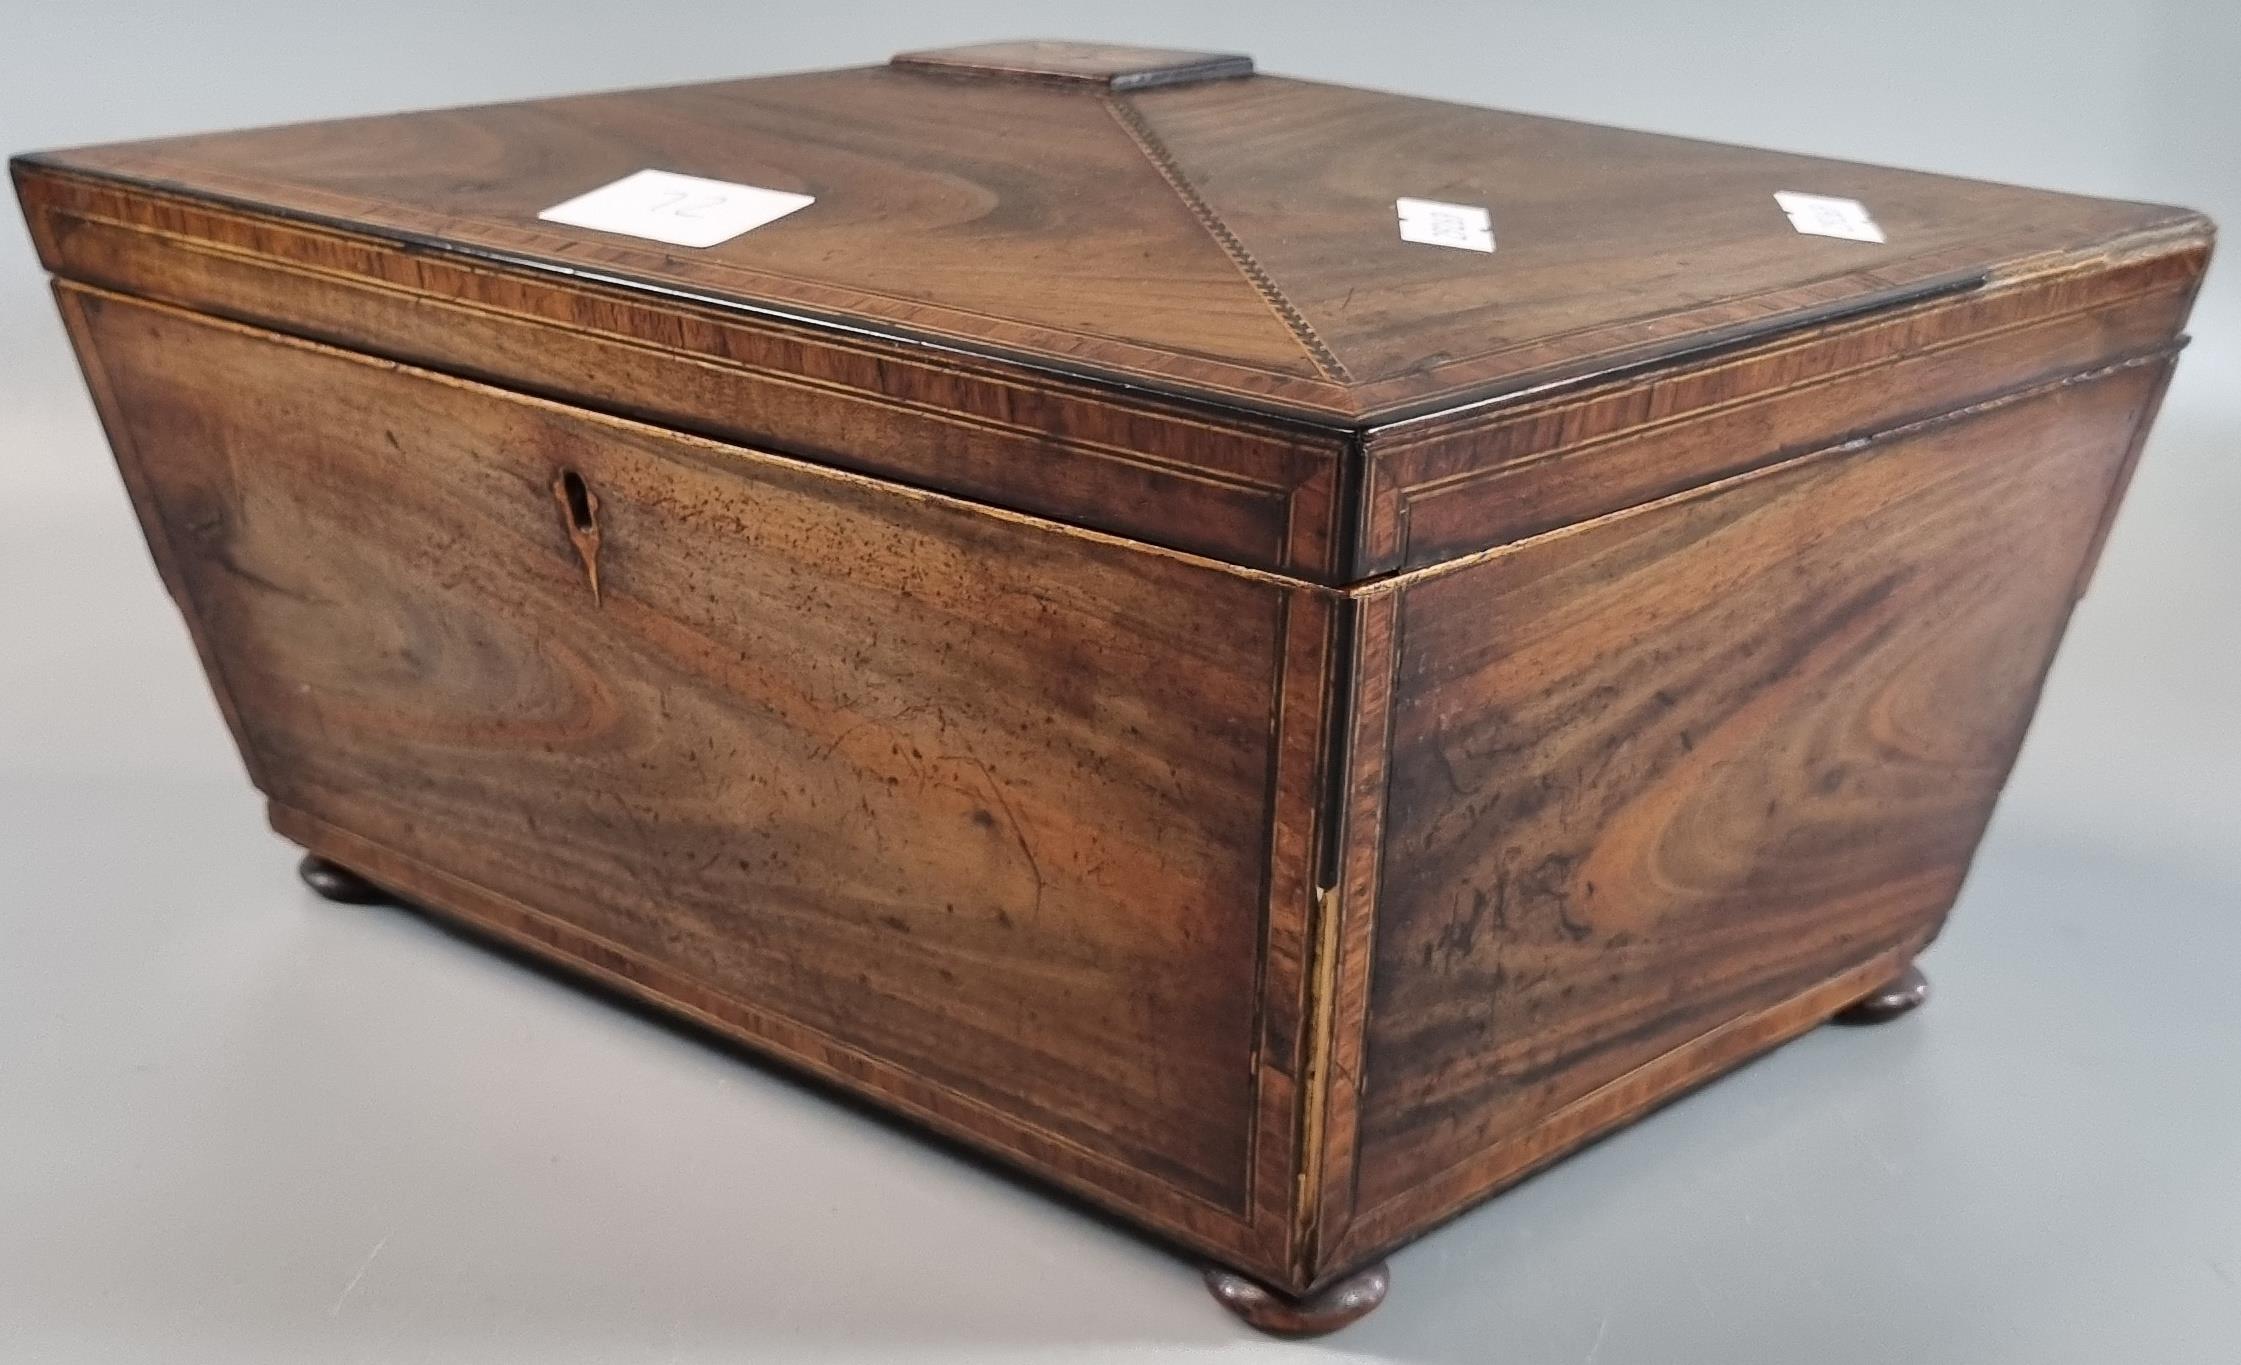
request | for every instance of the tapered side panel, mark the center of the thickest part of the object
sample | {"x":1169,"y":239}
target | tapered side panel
{"x":132,"y":466}
{"x":967,"y":812}
{"x":1669,"y":787}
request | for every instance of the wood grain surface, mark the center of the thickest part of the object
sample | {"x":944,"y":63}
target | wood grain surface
{"x":1244,"y":489}
{"x":1229,"y":241}
{"x":1650,"y":773}
{"x":1456,"y":483}
{"x":985,"y":803}
{"x":1083,"y":637}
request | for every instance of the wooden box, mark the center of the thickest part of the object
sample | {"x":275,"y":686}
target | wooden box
{"x":1109,"y":626}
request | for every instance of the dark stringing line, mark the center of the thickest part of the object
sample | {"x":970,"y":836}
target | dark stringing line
{"x":1157,"y":154}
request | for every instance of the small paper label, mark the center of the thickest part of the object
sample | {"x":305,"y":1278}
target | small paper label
{"x":1822,"y":216}
{"x":682,"y":210}
{"x":1467,"y":227}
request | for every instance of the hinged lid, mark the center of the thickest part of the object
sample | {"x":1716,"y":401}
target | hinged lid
{"x":1161,"y":221}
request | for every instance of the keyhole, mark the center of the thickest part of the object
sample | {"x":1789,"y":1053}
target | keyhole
{"x":577,"y":498}
{"x":579,"y":510}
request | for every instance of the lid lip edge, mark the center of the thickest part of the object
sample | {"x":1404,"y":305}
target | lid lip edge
{"x":1528,"y":386}
{"x":1347,"y":414}
{"x":2180,"y":229}
{"x":1333,"y":421}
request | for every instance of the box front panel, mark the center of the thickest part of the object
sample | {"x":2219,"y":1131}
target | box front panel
{"x":1663,"y":787}
{"x":977,"y":806}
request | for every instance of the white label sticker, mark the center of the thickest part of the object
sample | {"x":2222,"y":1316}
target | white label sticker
{"x":682,"y":210}
{"x":1465,"y":226}
{"x":1822,"y":216}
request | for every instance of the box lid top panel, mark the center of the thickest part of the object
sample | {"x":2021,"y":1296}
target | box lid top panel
{"x":1164,"y":220}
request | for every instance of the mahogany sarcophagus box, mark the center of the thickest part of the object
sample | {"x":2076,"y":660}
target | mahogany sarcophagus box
{"x":1274,"y":655}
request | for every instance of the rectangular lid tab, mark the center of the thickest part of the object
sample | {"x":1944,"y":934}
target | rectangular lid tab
{"x":1106,"y":65}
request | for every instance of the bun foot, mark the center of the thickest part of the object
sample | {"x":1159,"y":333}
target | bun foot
{"x":1281,"y":1315}
{"x":338,"y":883}
{"x":1890,"y":1000}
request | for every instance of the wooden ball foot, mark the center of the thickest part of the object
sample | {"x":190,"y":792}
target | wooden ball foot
{"x":1890,"y":1000}
{"x":338,"y":883}
{"x":1280,"y":1315}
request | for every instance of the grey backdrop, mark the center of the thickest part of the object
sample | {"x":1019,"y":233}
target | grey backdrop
{"x":237,"y":1124}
